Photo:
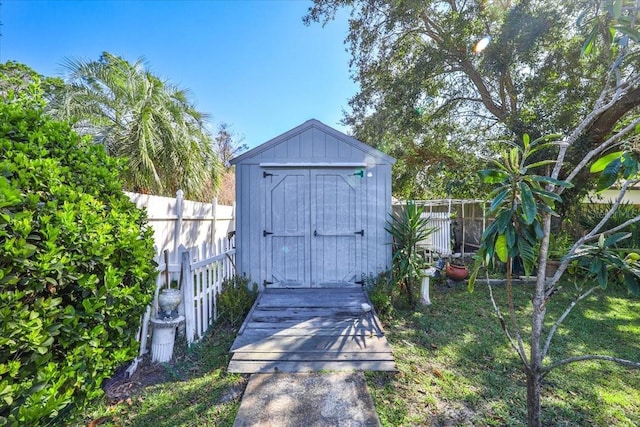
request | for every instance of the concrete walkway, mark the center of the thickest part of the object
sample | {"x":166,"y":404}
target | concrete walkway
{"x":307,"y":399}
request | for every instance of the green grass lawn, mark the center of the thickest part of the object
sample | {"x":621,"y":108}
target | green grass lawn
{"x":455,"y":368}
{"x":195,"y":390}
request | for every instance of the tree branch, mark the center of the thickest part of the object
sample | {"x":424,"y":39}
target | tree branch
{"x":474,"y":76}
{"x":625,"y":362}
{"x":503,"y":324}
{"x":609,"y":143}
{"x":558,"y":322}
{"x":512,"y":309}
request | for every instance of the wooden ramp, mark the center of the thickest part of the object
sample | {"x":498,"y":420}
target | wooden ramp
{"x":306,"y":330}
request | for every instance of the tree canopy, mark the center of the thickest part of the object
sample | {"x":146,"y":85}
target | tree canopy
{"x":439,"y":76}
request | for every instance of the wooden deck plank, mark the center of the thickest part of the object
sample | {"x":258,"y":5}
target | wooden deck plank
{"x":337,"y":356}
{"x":351,"y":303}
{"x":316,"y":322}
{"x":318,"y":331}
{"x":263,"y":367}
{"x":308,"y":311}
{"x":249,"y":342}
{"x":300,"y":330}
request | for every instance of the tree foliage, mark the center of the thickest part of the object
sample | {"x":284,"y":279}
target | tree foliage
{"x":524,"y":209}
{"x":427,"y":88}
{"x":137,"y":116}
{"x":76,"y":268}
{"x":18,"y":81}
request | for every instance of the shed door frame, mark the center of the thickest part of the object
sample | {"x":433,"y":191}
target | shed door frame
{"x":322,"y":231}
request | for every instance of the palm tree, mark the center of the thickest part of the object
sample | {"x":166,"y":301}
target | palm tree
{"x":148,"y":121}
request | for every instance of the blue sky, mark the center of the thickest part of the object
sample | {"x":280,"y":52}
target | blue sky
{"x":251,"y":64}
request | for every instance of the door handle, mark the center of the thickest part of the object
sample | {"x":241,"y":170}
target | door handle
{"x":315,"y":233}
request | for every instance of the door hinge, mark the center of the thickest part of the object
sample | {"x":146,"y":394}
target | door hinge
{"x":266,"y":174}
{"x":265,"y":282}
{"x":360,"y":173}
{"x":361,"y":232}
{"x":359,"y":282}
{"x":265,"y":233}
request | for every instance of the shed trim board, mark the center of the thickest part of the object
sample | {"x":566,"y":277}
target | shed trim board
{"x":313,"y":123}
{"x":312,"y":205}
{"x":314,"y":165}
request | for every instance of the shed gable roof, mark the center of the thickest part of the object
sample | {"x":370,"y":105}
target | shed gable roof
{"x":310,"y":124}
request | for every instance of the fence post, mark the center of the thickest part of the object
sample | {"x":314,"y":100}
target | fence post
{"x":177,"y":231}
{"x":214,"y":219}
{"x":188,"y":297}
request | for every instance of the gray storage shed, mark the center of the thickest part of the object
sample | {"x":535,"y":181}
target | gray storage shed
{"x":312,"y":205}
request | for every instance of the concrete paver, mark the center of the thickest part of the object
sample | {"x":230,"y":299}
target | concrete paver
{"x":316,"y":399}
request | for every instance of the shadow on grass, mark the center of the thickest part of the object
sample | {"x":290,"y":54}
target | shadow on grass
{"x":197,"y":390}
{"x":457,"y":366}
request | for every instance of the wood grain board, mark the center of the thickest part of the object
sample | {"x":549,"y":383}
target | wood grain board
{"x":304,"y":330}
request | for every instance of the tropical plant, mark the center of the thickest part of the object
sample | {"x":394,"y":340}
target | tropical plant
{"x":408,"y":227}
{"x":589,"y":215}
{"x":523,"y":203}
{"x":139,"y":117}
{"x":76,"y":268}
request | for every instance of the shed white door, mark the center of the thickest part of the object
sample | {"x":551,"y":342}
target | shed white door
{"x":287,"y":227}
{"x":312,"y":227}
{"x":337,"y":233}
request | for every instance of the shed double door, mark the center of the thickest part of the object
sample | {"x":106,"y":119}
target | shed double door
{"x":312,"y":227}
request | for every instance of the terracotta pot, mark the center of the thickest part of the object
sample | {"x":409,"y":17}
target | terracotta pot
{"x":457,"y":272}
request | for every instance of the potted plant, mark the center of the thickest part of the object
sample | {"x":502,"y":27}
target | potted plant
{"x":456,"y":272}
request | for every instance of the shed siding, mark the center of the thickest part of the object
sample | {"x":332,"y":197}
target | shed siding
{"x":314,"y":143}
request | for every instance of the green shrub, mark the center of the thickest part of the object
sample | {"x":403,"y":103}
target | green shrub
{"x":236,"y":299}
{"x":380,"y":290}
{"x":590,"y":214}
{"x":76,"y":268}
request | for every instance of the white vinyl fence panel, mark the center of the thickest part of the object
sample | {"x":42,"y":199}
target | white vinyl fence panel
{"x":178,"y":222}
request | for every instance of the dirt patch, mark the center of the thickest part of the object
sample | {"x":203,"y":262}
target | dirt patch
{"x":120,"y":387}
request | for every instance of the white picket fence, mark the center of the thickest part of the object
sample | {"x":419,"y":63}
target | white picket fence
{"x":201,"y":285}
{"x":439,"y":240}
{"x":200,"y":276}
{"x":200,"y":245}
